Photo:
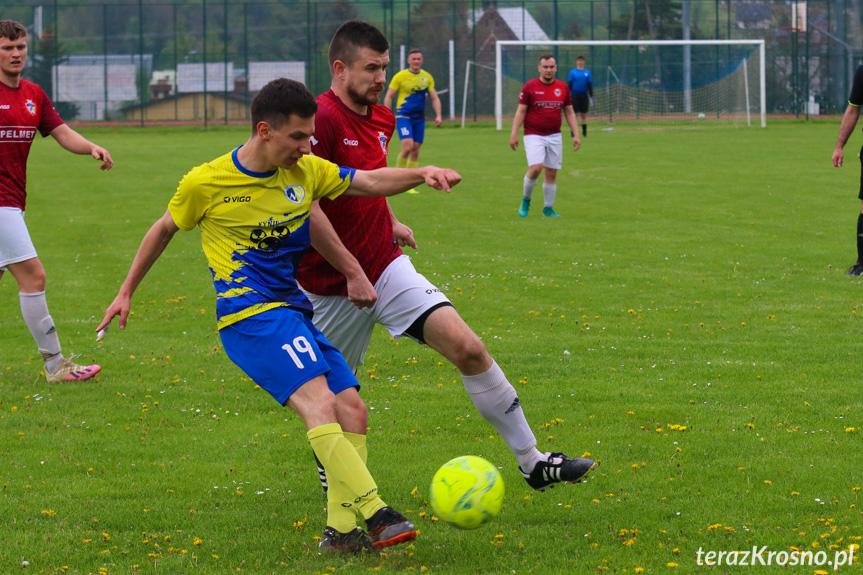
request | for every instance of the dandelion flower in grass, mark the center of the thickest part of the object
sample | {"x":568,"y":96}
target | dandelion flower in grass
{"x":197,"y":541}
{"x":672,"y":564}
{"x":639,"y":570}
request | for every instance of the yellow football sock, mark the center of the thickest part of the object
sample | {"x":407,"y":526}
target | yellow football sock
{"x":346,"y":471}
{"x":343,"y":518}
{"x":412,"y":164}
{"x":401,"y":162}
{"x":359,"y":443}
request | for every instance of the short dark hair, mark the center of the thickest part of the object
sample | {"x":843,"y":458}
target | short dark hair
{"x":12,"y":30}
{"x":546,"y":57}
{"x":415,"y":51}
{"x":580,"y":58}
{"x":353,"y":35}
{"x":278,"y":100}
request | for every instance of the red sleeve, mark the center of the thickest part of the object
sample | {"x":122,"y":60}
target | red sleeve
{"x":567,"y":101}
{"x":50,"y":118}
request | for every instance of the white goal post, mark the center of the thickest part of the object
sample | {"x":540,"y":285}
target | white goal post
{"x":686,"y":44}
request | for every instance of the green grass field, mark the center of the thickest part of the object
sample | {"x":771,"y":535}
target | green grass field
{"x":687,"y":322}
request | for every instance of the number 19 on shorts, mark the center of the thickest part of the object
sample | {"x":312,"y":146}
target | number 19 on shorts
{"x":299,"y":348}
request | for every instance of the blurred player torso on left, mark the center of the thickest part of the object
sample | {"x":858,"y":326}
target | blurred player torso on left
{"x":24,"y":110}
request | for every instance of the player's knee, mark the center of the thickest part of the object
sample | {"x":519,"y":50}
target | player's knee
{"x":471,"y":356}
{"x":352,"y":413}
{"x":325,"y":406}
{"x":32,"y":282}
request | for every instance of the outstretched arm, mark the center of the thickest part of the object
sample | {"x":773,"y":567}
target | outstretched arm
{"x":849,"y":122}
{"x":71,"y":140}
{"x":152,"y":246}
{"x":392,"y":181}
{"x":326,"y":241}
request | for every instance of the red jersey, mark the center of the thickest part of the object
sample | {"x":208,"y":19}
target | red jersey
{"x":545,"y":102}
{"x":363,"y":224}
{"x":23,"y":110}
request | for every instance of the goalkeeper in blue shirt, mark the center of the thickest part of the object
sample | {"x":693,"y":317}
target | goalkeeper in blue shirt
{"x":580,"y":82}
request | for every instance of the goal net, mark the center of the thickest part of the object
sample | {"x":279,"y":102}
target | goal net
{"x":478,"y":95}
{"x":647,"y":85}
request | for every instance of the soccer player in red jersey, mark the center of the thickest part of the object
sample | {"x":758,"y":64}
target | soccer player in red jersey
{"x":539,"y":106}
{"x":24,"y":110}
{"x":357,"y":275}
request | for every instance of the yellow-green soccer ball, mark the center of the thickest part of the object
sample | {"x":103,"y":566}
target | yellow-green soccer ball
{"x":467,"y":492}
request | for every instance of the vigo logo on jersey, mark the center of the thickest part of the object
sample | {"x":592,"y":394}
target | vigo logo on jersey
{"x":557,"y":92}
{"x":31,"y":107}
{"x":382,"y":138}
{"x":295,"y":194}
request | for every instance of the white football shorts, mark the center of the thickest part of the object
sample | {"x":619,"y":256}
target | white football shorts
{"x":404,"y":295}
{"x":545,"y":150}
{"x":15,"y":243}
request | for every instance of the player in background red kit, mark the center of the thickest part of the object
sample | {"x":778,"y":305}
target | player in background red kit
{"x":540,"y":104}
{"x":24,"y":110}
{"x":356,"y":274}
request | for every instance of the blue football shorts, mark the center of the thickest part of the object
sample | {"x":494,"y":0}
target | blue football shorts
{"x":413,"y":128}
{"x":281,"y":349}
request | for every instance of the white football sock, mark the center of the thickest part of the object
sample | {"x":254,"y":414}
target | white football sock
{"x":497,"y":401}
{"x":34,"y":308}
{"x":529,"y":185}
{"x":549,"y":191}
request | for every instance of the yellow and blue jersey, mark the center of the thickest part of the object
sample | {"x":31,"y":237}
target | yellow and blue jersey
{"x":412,"y":90}
{"x":255,"y":228}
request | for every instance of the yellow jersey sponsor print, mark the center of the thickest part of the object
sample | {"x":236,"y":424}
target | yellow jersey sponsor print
{"x":255,"y":228}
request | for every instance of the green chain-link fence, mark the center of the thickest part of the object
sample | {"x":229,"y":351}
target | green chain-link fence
{"x":202,"y":60}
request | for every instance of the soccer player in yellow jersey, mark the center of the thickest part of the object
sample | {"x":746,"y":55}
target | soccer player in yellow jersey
{"x":252,"y":205}
{"x":412,"y":86}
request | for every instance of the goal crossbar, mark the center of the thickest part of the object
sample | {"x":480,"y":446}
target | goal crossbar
{"x":498,"y":91}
